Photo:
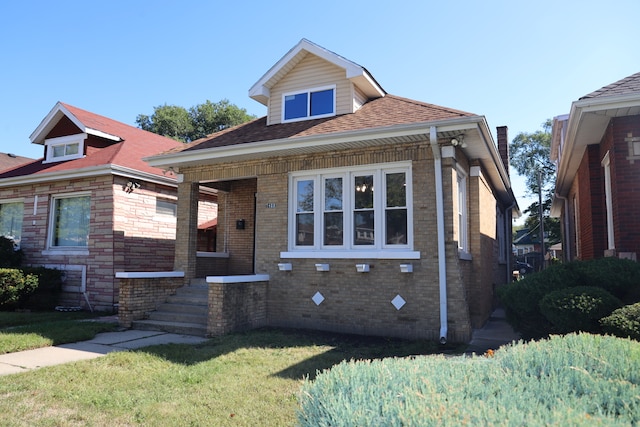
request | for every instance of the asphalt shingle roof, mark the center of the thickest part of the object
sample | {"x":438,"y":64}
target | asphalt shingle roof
{"x":379,"y":113}
{"x":628,"y":85}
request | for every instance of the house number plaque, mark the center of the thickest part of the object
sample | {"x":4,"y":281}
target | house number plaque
{"x":271,"y":205}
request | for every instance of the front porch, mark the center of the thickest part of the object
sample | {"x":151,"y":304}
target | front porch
{"x":233,"y":303}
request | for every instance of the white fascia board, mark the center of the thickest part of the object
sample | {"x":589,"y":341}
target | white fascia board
{"x":85,"y":173}
{"x":279,"y":145}
{"x":104,"y":135}
{"x":37,"y":136}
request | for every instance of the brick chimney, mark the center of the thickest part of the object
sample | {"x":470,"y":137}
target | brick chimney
{"x":503,"y":146}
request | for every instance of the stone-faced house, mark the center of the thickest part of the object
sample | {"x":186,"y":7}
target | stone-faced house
{"x":355,"y":210}
{"x":91,"y":206}
{"x":596,"y":148}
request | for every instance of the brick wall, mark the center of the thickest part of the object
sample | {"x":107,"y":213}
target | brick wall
{"x":140,"y":296}
{"x":235,"y":307}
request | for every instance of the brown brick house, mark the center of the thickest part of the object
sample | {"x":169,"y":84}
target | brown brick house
{"x":91,"y":206}
{"x":597,"y":151}
{"x":360,"y":211}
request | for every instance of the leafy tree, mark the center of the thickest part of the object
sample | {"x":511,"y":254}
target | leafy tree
{"x":530,"y":157}
{"x":197,"y":122}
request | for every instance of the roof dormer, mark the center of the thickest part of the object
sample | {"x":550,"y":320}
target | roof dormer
{"x":311,"y":82}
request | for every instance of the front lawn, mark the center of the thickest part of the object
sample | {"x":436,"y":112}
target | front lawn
{"x":243,"y":379}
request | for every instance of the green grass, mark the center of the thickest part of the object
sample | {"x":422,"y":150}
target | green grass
{"x":246,"y":379}
{"x":26,"y":331}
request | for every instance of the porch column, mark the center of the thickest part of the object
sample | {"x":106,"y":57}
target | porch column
{"x":187,"y":230}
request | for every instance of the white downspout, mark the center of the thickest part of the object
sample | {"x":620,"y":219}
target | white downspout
{"x":508,"y":237}
{"x":442,"y":261}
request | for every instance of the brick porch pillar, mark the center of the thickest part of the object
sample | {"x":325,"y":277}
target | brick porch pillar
{"x":187,"y":230}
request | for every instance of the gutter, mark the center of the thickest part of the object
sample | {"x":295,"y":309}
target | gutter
{"x":442,"y":262}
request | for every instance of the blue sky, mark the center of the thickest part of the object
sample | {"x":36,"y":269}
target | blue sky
{"x":516,"y":63}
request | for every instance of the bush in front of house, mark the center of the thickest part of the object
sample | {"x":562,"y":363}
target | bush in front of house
{"x":45,"y":296}
{"x":15,"y":286}
{"x":623,"y":322}
{"x":578,"y":309}
{"x":9,"y":256}
{"x":576,"y":379}
{"x":521,"y":300}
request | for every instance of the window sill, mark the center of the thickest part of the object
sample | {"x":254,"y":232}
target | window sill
{"x":75,"y":252}
{"x":379,"y":254}
{"x":464,"y":255}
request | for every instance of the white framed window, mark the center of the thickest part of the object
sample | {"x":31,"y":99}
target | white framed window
{"x":11,"y":215}
{"x":606,"y":164}
{"x":65,"y":148}
{"x":312,"y":103}
{"x":166,"y":207}
{"x":69,"y":221}
{"x":500,"y":234}
{"x":347,"y":213}
{"x":463,"y":227}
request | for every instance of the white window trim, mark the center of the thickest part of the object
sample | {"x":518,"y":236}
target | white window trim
{"x":606,"y":164}
{"x":380,"y":250}
{"x":308,"y":92}
{"x":462,"y":214}
{"x":67,"y":250}
{"x":64,"y":140}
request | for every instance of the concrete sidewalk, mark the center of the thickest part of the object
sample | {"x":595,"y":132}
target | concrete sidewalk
{"x":494,"y":334}
{"x":100,"y":345}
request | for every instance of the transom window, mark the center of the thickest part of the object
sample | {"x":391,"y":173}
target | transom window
{"x":365,"y":209}
{"x":70,"y":215}
{"x":65,"y":147}
{"x":313,"y":103}
{"x":11,"y":214}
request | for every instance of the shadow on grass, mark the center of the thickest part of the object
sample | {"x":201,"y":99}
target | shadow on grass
{"x":339,"y":347}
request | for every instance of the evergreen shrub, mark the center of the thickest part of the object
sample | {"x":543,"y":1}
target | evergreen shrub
{"x":578,"y":309}
{"x":46,"y":295}
{"x":623,"y":322}
{"x":15,"y":286}
{"x":576,"y":379}
{"x":521,"y":299}
{"x":9,"y":256}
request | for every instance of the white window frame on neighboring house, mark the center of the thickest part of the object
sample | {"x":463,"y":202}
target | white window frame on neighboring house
{"x":14,"y":230}
{"x":606,"y":164}
{"x":64,"y":148}
{"x":317,"y":209}
{"x":306,"y":98}
{"x":463,"y":214}
{"x":53,"y":246}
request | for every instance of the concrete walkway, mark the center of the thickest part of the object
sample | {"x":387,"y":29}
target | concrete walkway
{"x":100,"y":345}
{"x":493,"y":335}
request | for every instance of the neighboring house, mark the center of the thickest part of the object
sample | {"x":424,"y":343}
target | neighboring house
{"x":10,"y":161}
{"x":597,"y":151}
{"x":91,"y":206}
{"x":525,"y":241}
{"x":361,"y":212}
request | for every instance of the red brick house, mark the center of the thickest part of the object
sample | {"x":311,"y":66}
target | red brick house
{"x":597,"y":151}
{"x":91,"y":206}
{"x":348,"y":209}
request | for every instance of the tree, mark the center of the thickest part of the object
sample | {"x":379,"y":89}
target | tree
{"x":197,"y":122}
{"x":530,"y":157}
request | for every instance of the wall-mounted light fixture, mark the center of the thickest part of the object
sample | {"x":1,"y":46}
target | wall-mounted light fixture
{"x":131,"y":185}
{"x":459,"y":141}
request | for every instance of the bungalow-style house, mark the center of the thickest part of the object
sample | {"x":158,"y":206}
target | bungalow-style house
{"x":91,"y":206}
{"x":597,"y":151}
{"x":350,"y":209}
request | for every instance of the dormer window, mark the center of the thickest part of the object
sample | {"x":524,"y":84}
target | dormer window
{"x":64,"y":147}
{"x":313,"y":103}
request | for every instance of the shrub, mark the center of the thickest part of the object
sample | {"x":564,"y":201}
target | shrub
{"x":623,"y":322}
{"x":521,"y":299}
{"x":45,"y":297}
{"x":577,"y":379}
{"x":9,"y":256}
{"x":578,"y":309}
{"x":15,"y":286}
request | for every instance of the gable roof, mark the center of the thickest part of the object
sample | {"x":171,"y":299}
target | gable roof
{"x":127,"y":147}
{"x":260,"y":91}
{"x":585,"y":125}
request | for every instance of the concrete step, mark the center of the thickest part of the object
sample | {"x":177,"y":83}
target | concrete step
{"x":183,"y":328}
{"x":198,"y":309}
{"x":170,"y":316}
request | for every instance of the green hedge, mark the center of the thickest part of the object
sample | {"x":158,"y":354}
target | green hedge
{"x":623,"y":322}
{"x":9,"y":256}
{"x":578,"y":309}
{"x":521,"y":299}
{"x":15,"y":286}
{"x":576,"y":379}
